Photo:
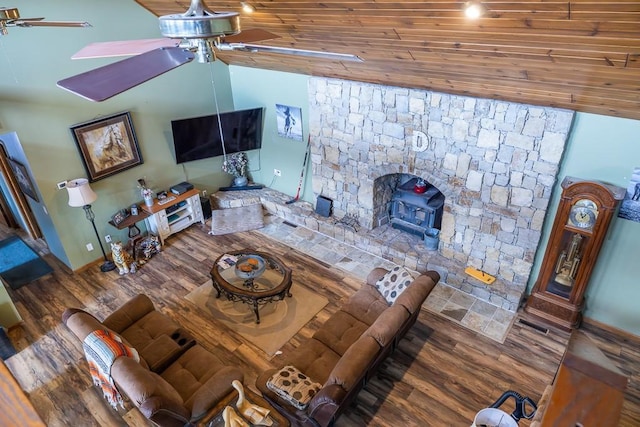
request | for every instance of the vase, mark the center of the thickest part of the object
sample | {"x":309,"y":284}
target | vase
{"x":240,"y":181}
{"x":148,"y":201}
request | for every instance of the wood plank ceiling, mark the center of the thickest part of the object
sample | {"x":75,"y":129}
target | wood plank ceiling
{"x":581,"y":55}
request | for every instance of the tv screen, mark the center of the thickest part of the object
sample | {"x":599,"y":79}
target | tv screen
{"x":198,"y":138}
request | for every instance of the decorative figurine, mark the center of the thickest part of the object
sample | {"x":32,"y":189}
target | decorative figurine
{"x":122,"y":259}
{"x":232,"y":419}
{"x":148,"y":247}
{"x":257,"y":415}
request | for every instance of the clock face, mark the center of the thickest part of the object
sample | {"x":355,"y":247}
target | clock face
{"x":583,"y":214}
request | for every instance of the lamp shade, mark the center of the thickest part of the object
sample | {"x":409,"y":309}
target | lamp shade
{"x":80,"y":193}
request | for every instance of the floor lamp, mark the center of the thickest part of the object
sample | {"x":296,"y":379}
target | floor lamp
{"x":81,"y":195}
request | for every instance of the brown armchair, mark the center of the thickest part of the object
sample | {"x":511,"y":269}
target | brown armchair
{"x":176,"y":381}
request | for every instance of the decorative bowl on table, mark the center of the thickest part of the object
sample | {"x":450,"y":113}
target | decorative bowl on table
{"x":249,"y":266}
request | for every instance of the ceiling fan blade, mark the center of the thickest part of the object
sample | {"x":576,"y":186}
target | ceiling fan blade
{"x":28,"y":19}
{"x":292,"y":51}
{"x":37,"y":23}
{"x":105,"y":82}
{"x":123,"y":48}
{"x":250,"y":35}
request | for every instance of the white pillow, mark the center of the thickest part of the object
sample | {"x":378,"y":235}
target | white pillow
{"x":392,"y":284}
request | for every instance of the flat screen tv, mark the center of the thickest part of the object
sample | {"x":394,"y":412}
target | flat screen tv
{"x":198,"y":138}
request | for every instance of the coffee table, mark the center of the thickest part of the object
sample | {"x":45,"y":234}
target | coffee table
{"x":269,"y":281}
{"x":213,"y":418}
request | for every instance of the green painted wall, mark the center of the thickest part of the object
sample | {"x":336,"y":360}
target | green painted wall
{"x":32,"y":60}
{"x":605,"y":149}
{"x":261,"y":88}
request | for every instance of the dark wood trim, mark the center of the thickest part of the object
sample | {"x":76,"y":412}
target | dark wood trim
{"x":33,"y":229}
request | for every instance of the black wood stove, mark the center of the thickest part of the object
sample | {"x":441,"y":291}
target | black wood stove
{"x":416,"y":213}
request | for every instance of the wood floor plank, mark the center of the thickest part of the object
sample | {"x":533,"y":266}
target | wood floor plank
{"x":440,"y":375}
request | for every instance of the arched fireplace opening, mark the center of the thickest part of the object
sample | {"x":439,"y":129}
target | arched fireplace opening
{"x":410,"y":204}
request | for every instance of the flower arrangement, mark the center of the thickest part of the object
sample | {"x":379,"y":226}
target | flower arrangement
{"x":146,"y":192}
{"x":236,"y":164}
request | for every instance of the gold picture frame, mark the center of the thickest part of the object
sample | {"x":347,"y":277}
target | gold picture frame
{"x":108,"y":145}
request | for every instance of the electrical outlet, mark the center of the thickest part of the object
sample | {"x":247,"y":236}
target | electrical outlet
{"x":89,"y":247}
{"x":107,"y":238}
{"x":61,"y":185}
{"x":277,"y":172}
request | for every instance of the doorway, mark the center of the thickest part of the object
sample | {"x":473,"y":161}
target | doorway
{"x":16,"y":210}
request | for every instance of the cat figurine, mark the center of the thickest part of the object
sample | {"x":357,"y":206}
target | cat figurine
{"x":122,"y":259}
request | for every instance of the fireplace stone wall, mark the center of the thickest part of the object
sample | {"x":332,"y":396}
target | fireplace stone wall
{"x":496,"y":163}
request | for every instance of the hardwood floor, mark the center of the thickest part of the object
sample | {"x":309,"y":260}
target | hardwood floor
{"x":441,"y":375}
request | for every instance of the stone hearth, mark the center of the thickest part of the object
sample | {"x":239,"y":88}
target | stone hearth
{"x":496,"y":163}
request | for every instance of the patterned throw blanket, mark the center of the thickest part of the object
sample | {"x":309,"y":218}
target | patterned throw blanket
{"x":101,"y":349}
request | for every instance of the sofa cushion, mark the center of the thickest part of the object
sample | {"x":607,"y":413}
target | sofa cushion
{"x":214,"y":390}
{"x":314,"y":359}
{"x":148,"y":328}
{"x":392,"y":284}
{"x":366,"y":304}
{"x":129,"y":313}
{"x":293,"y":386}
{"x":191,"y":370}
{"x":340,"y":331}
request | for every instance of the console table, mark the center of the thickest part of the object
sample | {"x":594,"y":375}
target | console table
{"x":131,"y":222}
{"x":183,"y":210}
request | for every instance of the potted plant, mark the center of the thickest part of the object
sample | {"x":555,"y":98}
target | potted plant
{"x":236,"y":165}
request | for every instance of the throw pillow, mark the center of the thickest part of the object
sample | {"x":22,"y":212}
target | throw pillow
{"x":392,"y":284}
{"x":293,"y":386}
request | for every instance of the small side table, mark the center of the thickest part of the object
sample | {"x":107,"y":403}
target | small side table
{"x":213,"y":418}
{"x":131,"y":222}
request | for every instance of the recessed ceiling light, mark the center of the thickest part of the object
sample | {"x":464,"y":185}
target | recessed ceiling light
{"x":247,"y":7}
{"x":474,"y":9}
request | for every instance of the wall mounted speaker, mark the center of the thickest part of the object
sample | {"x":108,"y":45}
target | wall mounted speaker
{"x":323,"y":206}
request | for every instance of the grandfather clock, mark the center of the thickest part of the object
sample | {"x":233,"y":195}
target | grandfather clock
{"x":584,"y":214}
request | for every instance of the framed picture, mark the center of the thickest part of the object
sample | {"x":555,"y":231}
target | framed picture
{"x":119,"y":216}
{"x":22,"y":176}
{"x":289,"y":121}
{"x":108,"y":145}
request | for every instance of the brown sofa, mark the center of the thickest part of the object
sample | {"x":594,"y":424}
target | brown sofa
{"x":345,"y":352}
{"x":176,"y":381}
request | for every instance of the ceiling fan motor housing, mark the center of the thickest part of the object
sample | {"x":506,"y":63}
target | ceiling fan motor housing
{"x":9,"y":13}
{"x":207,"y":25}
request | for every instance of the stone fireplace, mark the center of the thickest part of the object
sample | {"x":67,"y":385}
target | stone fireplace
{"x":495,"y":163}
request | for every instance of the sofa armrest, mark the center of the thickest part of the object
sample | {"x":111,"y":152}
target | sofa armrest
{"x":324,"y":405}
{"x":80,"y":322}
{"x":156,"y":398}
{"x":213,"y":391}
{"x":132,"y":311}
{"x":375,"y":275}
{"x":354,"y":363}
{"x":418,"y":291}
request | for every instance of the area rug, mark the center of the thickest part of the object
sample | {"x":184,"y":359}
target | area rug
{"x":19,"y":264}
{"x":279,"y":321}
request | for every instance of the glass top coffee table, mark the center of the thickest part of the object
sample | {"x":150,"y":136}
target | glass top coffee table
{"x":252,"y":277}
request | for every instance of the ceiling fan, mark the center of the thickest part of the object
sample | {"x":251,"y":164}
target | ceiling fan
{"x":197,"y":33}
{"x":10,"y":17}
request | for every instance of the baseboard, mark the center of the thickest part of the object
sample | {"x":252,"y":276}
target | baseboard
{"x":611,"y":329}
